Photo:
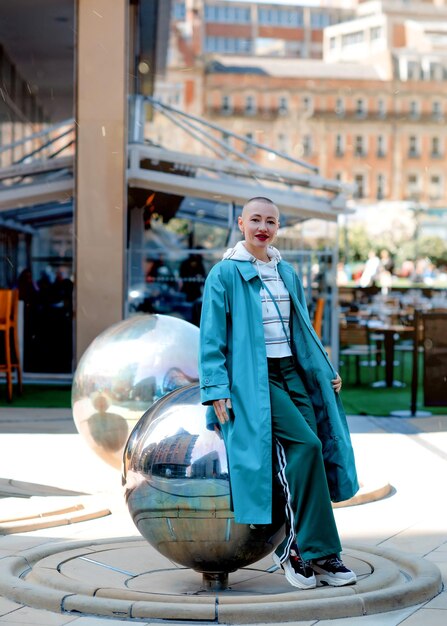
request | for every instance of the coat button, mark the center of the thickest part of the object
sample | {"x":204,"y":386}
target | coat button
{"x":207,"y":380}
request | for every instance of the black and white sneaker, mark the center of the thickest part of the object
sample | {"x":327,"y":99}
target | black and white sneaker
{"x":331,"y":570}
{"x":298,"y":572}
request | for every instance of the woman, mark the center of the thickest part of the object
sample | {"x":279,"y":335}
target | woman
{"x":273,"y":394}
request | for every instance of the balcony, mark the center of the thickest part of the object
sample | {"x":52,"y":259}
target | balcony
{"x":270,"y":113}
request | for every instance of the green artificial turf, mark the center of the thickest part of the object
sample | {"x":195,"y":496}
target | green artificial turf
{"x":357,"y":399}
{"x":38,"y":396}
{"x":365,"y":399}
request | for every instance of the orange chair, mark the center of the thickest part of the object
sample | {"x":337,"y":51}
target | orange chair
{"x":15,"y":354}
{"x":317,"y":322}
{"x":10,"y":357}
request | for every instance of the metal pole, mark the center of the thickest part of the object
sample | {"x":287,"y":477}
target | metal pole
{"x":215,"y":581}
{"x":335,"y":309}
{"x":415,"y":375}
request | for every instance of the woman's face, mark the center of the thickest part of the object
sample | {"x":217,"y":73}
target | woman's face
{"x":259,"y":224}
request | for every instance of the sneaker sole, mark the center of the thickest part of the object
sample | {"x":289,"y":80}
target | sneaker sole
{"x":291,"y":577}
{"x":324,"y":580}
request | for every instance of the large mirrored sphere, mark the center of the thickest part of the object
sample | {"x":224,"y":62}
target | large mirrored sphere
{"x":124,"y":371}
{"x":177,"y":489}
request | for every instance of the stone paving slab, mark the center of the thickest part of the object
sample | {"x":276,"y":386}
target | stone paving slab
{"x":392,"y":448}
{"x":46,"y":577}
{"x":35,"y":513}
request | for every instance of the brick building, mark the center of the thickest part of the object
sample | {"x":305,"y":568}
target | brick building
{"x":372,"y":111}
{"x":267,"y":29}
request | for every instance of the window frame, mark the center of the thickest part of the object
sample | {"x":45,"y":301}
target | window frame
{"x":360,"y":146}
{"x":414,"y":147}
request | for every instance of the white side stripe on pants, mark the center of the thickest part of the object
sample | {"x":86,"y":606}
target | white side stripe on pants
{"x":290,"y":518}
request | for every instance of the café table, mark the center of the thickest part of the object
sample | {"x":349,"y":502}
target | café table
{"x":389,"y":331}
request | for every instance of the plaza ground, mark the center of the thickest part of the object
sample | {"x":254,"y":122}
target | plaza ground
{"x":41,"y":446}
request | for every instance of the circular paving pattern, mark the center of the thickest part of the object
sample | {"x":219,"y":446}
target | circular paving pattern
{"x":126,"y":578}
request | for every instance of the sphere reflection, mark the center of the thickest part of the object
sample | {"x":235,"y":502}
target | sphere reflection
{"x":124,"y":371}
{"x":178,"y":491}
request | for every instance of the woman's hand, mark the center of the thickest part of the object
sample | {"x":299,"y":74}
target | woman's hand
{"x":336,"y":384}
{"x":220,"y":409}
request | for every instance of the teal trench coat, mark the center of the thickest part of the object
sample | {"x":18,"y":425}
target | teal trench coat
{"x":233,"y":364}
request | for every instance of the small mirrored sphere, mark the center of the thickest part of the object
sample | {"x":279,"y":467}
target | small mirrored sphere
{"x":124,"y":371}
{"x":177,"y":488}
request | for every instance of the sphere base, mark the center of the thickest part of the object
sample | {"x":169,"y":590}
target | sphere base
{"x":215,"y":581}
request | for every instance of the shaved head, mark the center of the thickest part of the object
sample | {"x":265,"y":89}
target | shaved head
{"x":250,"y":205}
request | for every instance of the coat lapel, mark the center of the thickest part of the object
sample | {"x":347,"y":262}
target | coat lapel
{"x":246,"y":269}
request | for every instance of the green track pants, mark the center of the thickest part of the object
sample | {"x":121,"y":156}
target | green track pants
{"x":300,"y":467}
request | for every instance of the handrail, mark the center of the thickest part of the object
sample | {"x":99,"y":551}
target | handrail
{"x":242,"y":138}
{"x":40,"y":133}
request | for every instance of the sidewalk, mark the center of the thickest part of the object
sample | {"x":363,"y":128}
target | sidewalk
{"x":42,"y":446}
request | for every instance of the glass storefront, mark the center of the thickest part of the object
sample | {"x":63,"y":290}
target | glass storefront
{"x":202,"y":160}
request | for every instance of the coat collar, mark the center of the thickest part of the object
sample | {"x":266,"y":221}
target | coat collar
{"x":248,"y":271}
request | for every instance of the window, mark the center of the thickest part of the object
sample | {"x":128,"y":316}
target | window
{"x":280,"y":17}
{"x":413,"y":147}
{"x":339,"y":107}
{"x":333,"y":43}
{"x":228,"y":45}
{"x":359,"y":146}
{"x":376,"y":32}
{"x":415,"y":110}
{"x":339,"y":176}
{"x":413,"y":70}
{"x":359,"y":181}
{"x":319,"y":19}
{"x":307,"y":104}
{"x":249,"y":148}
{"x":435,"y":71}
{"x":381,"y":146}
{"x":226,"y":14}
{"x":307,"y":145}
{"x":360,"y":107}
{"x":436,"y":109}
{"x":283,"y":105}
{"x":436,"y":151}
{"x":339,"y":147}
{"x":381,"y":108}
{"x":179,"y":11}
{"x":250,"y":105}
{"x":283,"y":142}
{"x":350,"y":39}
{"x":380,"y":193}
{"x":413,"y":187}
{"x":226,"y":107}
{"x":210,"y":14}
{"x":436,"y":191}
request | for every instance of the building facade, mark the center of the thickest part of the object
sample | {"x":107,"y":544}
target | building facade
{"x":371,"y":112}
{"x":249,"y":28}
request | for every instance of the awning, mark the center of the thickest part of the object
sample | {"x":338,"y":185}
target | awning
{"x":39,"y":192}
